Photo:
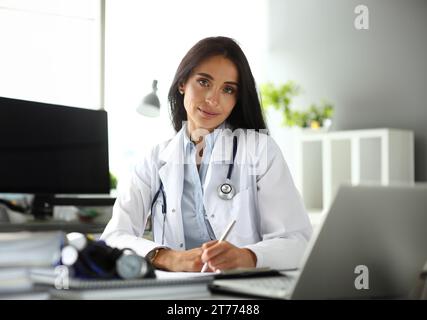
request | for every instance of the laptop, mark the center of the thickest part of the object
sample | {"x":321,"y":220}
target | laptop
{"x":371,"y":244}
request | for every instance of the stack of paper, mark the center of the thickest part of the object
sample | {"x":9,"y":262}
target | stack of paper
{"x":21,"y":251}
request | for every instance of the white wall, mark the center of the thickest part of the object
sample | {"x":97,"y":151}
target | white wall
{"x":375,"y":77}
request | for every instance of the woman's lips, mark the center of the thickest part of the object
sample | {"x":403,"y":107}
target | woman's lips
{"x":207,"y":114}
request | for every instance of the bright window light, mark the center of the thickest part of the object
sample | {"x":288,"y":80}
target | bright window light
{"x":146,"y":40}
{"x":50,"y":51}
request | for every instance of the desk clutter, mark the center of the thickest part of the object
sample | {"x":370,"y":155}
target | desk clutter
{"x":19,"y":253}
{"x":56,"y":265}
{"x":90,"y":259}
{"x":25,"y":256}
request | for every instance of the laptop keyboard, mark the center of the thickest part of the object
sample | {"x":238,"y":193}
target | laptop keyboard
{"x":269,"y":287}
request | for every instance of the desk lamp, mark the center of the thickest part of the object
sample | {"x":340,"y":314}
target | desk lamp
{"x":150,"y":104}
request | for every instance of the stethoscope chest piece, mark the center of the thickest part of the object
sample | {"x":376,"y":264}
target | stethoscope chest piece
{"x":226,"y":190}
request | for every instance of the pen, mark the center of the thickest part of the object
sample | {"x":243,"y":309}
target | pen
{"x":224,"y":235}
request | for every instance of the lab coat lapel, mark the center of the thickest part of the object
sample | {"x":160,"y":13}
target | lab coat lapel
{"x":217,"y":171}
{"x":172,"y":175}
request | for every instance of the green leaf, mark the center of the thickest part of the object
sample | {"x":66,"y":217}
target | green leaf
{"x":280,"y":97}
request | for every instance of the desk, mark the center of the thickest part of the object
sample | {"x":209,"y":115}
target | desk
{"x":44,"y":295}
{"x":166,"y":286}
{"x":53,"y":226}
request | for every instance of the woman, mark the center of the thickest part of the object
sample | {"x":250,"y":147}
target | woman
{"x":219,"y":123}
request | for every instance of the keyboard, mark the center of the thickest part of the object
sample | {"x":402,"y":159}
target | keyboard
{"x":276,"y":287}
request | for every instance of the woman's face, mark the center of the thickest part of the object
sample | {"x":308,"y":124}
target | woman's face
{"x":210,"y":93}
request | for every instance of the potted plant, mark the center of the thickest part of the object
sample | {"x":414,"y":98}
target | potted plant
{"x":280,"y":98}
{"x":113,"y":181}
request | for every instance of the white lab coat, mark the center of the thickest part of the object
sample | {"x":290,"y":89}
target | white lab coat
{"x":269,"y":212}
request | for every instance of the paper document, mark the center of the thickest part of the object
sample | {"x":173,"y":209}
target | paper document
{"x":182,"y":275}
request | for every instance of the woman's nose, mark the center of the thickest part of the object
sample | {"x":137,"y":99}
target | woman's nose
{"x":213,"y":97}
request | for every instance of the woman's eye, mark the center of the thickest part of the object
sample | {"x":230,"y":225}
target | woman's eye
{"x":203,"y":82}
{"x":229,"y":90}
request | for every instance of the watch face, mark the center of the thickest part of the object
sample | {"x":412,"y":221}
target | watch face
{"x":129,"y":266}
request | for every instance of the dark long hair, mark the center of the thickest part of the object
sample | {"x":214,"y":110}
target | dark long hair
{"x":247,"y":113}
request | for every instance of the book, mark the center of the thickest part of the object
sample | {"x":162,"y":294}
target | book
{"x":16,"y":284}
{"x":14,"y":280}
{"x":19,"y":252}
{"x":35,"y":294}
{"x":30,"y":249}
{"x":94,"y":289}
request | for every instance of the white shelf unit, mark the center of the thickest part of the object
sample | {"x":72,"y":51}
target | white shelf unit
{"x":326,"y":160}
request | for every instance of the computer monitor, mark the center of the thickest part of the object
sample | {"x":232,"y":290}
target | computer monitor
{"x":48,"y":149}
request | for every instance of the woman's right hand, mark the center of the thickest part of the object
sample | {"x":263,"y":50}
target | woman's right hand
{"x":172,"y":260}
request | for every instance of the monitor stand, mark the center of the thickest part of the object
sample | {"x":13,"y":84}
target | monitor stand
{"x":42,"y":206}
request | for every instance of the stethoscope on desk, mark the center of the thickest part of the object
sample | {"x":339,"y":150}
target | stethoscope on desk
{"x":225,"y":191}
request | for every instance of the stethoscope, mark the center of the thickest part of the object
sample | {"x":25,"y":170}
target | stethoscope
{"x":225,"y":191}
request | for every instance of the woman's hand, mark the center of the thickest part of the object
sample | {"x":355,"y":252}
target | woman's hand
{"x":222,"y":255}
{"x":171,"y":260}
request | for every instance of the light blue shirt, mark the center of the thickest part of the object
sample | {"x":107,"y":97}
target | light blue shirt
{"x":197,"y":229}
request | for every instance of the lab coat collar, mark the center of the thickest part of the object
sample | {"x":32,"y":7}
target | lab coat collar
{"x":222,"y":151}
{"x":173,"y":152}
{"x":210,"y":138}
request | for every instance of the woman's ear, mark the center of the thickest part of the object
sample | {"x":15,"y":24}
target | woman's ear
{"x":181,"y":88}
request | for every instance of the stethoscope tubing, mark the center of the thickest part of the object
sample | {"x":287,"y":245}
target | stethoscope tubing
{"x":221,"y":195}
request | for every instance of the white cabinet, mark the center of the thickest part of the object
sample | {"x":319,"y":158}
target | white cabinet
{"x":325,"y":160}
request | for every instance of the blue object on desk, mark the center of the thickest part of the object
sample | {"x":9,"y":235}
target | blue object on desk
{"x":97,"y":260}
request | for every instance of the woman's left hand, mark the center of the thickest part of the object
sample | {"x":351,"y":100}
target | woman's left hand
{"x":222,"y":255}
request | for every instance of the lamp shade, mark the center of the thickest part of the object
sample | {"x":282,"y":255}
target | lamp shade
{"x":150,"y":104}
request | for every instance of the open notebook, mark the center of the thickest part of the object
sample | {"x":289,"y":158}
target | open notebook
{"x":165,"y":286}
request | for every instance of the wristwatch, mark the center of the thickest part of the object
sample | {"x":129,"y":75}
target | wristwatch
{"x":151,"y":256}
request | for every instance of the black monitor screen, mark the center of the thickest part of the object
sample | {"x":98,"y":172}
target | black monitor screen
{"x":52,"y":149}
